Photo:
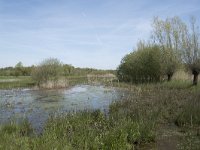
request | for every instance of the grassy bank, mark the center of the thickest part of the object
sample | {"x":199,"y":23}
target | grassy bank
{"x":86,"y":130}
{"x":10,"y":82}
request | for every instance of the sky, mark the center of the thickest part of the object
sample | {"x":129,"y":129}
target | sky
{"x":83,"y":33}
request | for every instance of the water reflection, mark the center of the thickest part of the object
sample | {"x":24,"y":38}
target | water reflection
{"x":37,"y":105}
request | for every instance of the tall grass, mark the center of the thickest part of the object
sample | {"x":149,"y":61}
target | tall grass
{"x":86,"y":130}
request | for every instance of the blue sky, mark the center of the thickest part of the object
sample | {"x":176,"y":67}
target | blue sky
{"x":84,"y":33}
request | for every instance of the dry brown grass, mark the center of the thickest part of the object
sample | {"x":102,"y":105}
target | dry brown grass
{"x":182,"y":75}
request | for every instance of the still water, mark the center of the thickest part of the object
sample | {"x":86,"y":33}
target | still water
{"x":37,"y":105}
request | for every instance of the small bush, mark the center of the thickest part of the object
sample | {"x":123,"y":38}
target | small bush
{"x":49,"y":70}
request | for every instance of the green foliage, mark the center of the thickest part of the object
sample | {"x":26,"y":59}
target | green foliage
{"x":48,"y":70}
{"x":191,"y":50}
{"x":143,"y":65}
{"x":68,"y":70}
{"x":167,"y":35}
{"x":178,"y":42}
{"x":19,"y":65}
{"x":18,"y":69}
{"x":169,"y":62}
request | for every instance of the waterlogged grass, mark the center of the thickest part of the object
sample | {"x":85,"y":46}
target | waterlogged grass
{"x":74,"y":80}
{"x":14,"y":77}
{"x":9,"y":82}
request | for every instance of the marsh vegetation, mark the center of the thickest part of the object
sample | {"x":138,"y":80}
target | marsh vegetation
{"x":142,"y":117}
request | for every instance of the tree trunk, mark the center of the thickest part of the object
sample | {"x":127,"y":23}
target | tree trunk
{"x":195,"y":79}
{"x":169,"y":77}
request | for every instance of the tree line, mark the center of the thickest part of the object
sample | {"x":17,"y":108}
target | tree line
{"x":67,"y":70}
{"x":18,"y":70}
{"x":50,"y":70}
{"x":172,"y":44}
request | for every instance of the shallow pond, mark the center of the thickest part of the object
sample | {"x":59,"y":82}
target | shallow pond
{"x":37,"y":105}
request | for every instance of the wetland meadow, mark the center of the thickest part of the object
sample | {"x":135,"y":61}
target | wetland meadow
{"x":99,"y":75}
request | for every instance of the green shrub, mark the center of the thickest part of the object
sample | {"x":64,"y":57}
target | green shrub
{"x":143,"y":65}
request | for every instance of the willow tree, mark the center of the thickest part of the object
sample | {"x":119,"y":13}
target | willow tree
{"x":191,"y":49}
{"x":168,"y":35}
